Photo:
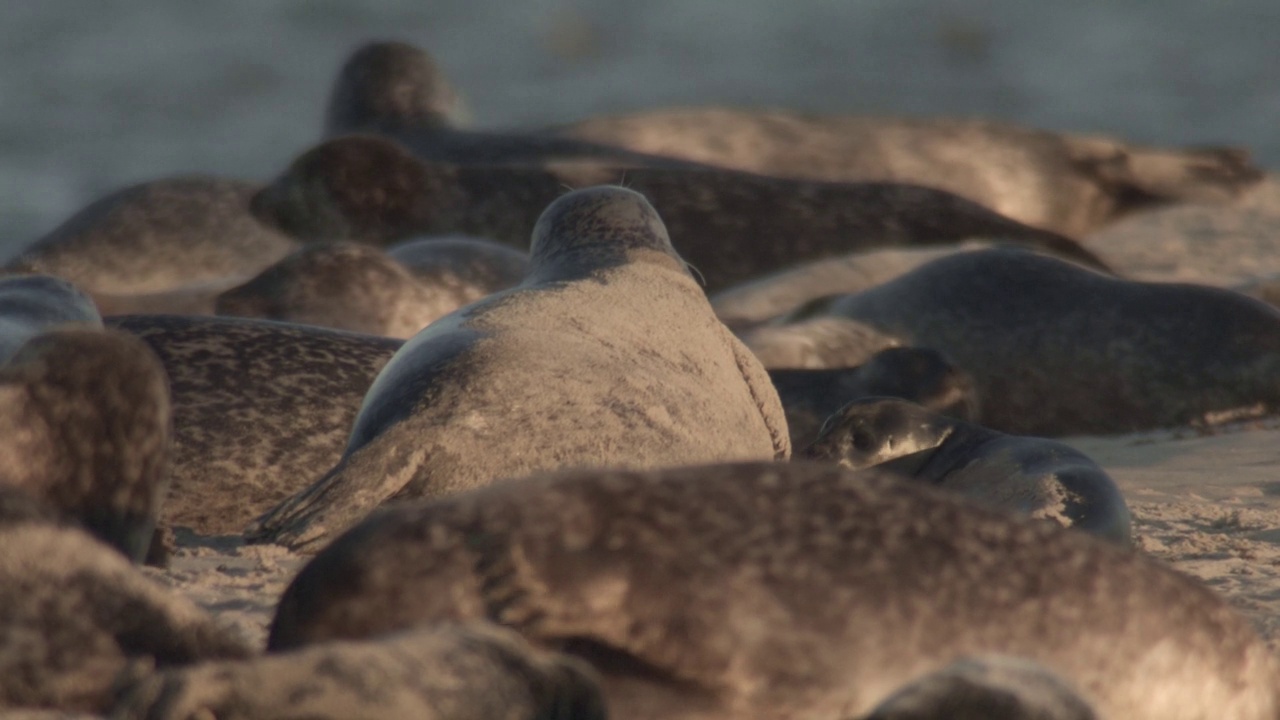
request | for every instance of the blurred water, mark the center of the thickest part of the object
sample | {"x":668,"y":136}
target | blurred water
{"x":97,"y":95}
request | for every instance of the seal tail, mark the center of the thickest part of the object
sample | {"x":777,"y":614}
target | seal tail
{"x":1141,"y":177}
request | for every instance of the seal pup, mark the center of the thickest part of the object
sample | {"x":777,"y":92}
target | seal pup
{"x":986,"y":687}
{"x":923,"y":376}
{"x":1072,"y":184}
{"x":76,"y":618}
{"x":31,"y":304}
{"x":388,"y":85}
{"x":156,"y":236}
{"x":731,"y":226}
{"x":260,"y":409}
{"x":1035,"y":477}
{"x":769,"y":590}
{"x":1055,"y":349}
{"x":466,"y":671}
{"x":607,"y":355}
{"x":84,"y":427}
{"x":350,"y":286}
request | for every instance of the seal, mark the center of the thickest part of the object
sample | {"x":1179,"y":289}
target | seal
{"x":443,"y":672}
{"x":1055,"y":349}
{"x":1072,"y":184}
{"x":1039,"y":478}
{"x":260,"y":409}
{"x":31,"y":304}
{"x":156,"y":236}
{"x":463,"y":260}
{"x":817,"y":343}
{"x":924,"y":376}
{"x":84,"y":428}
{"x":607,"y":355}
{"x":349,"y":286}
{"x":389,"y":85}
{"x":75,"y":617}
{"x":729,"y":591}
{"x":989,"y":686}
{"x":731,"y":226}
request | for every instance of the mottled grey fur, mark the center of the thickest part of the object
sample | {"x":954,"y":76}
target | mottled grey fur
{"x":772,"y":590}
{"x":31,"y":304}
{"x":471,"y":671}
{"x":1029,"y":476}
{"x":388,"y":86}
{"x":462,"y":259}
{"x":607,"y":355}
{"x":260,"y":409}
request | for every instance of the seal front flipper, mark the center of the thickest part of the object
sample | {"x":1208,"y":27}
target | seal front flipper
{"x":348,"y":492}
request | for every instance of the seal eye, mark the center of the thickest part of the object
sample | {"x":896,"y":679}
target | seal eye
{"x":863,"y":442}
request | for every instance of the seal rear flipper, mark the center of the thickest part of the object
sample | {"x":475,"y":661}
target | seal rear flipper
{"x":340,"y":499}
{"x":1140,"y":177}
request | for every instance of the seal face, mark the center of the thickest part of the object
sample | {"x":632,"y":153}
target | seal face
{"x":608,"y":354}
{"x":391,"y":85}
{"x":728,"y":591}
{"x":1029,"y":476}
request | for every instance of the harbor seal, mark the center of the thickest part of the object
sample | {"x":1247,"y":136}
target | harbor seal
{"x":1072,"y":184}
{"x":76,"y":618}
{"x":1055,"y":349}
{"x":731,"y":226}
{"x":607,"y":355}
{"x":468,"y":671}
{"x":390,"y":85}
{"x":350,"y":286}
{"x":809,"y":397}
{"x":260,"y":409}
{"x":463,"y":260}
{"x":769,"y":590}
{"x":983,"y":688}
{"x":84,"y":428}
{"x":817,"y":343}
{"x":32,"y":304}
{"x":1035,"y":477}
{"x":156,"y":236}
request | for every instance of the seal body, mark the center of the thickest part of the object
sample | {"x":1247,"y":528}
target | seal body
{"x":1073,"y":184}
{"x":260,"y":409}
{"x":31,"y":304}
{"x":1035,"y":477}
{"x":1055,"y":349}
{"x":729,"y":591}
{"x":607,"y":355}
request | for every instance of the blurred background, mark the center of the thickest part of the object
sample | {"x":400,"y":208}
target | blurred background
{"x":96,"y":95}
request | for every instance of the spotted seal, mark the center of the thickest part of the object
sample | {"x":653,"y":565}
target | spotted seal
{"x":768,"y":590}
{"x":731,"y":226}
{"x":1069,"y":183}
{"x":986,"y":687}
{"x":1030,"y":476}
{"x":608,"y":354}
{"x":389,"y":85}
{"x":32,"y":304}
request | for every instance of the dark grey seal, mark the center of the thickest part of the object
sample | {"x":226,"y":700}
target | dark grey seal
{"x":470,"y":671}
{"x":77,"y":619}
{"x":391,"y":85}
{"x":809,"y":397}
{"x":607,"y":355}
{"x":732,"y":226}
{"x":773,"y":590}
{"x":84,"y":428}
{"x":260,"y":409}
{"x":32,"y":304}
{"x":989,"y":687}
{"x":1039,"y":478}
{"x":1055,"y":349}
{"x":1072,"y":184}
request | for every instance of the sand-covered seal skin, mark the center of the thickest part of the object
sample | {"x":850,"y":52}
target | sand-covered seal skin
{"x":76,"y":618}
{"x":1055,"y":349}
{"x":985,"y":688}
{"x":260,"y":409}
{"x":1030,"y":476}
{"x":608,"y":354}
{"x":467,"y":671}
{"x":31,"y":304}
{"x":766,"y":590}
{"x":732,"y":226}
{"x":1073,"y":184}
{"x":156,"y":236}
{"x":923,"y":376}
{"x":390,"y":85}
{"x":360,"y":288}
{"x":85,"y":428}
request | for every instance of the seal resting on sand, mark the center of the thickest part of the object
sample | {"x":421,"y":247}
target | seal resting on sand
{"x":1072,"y":184}
{"x":32,"y":304}
{"x":1055,"y":349}
{"x":732,"y":226}
{"x":1035,"y":477}
{"x":387,"y":85}
{"x":608,"y":355}
{"x":769,"y":590}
